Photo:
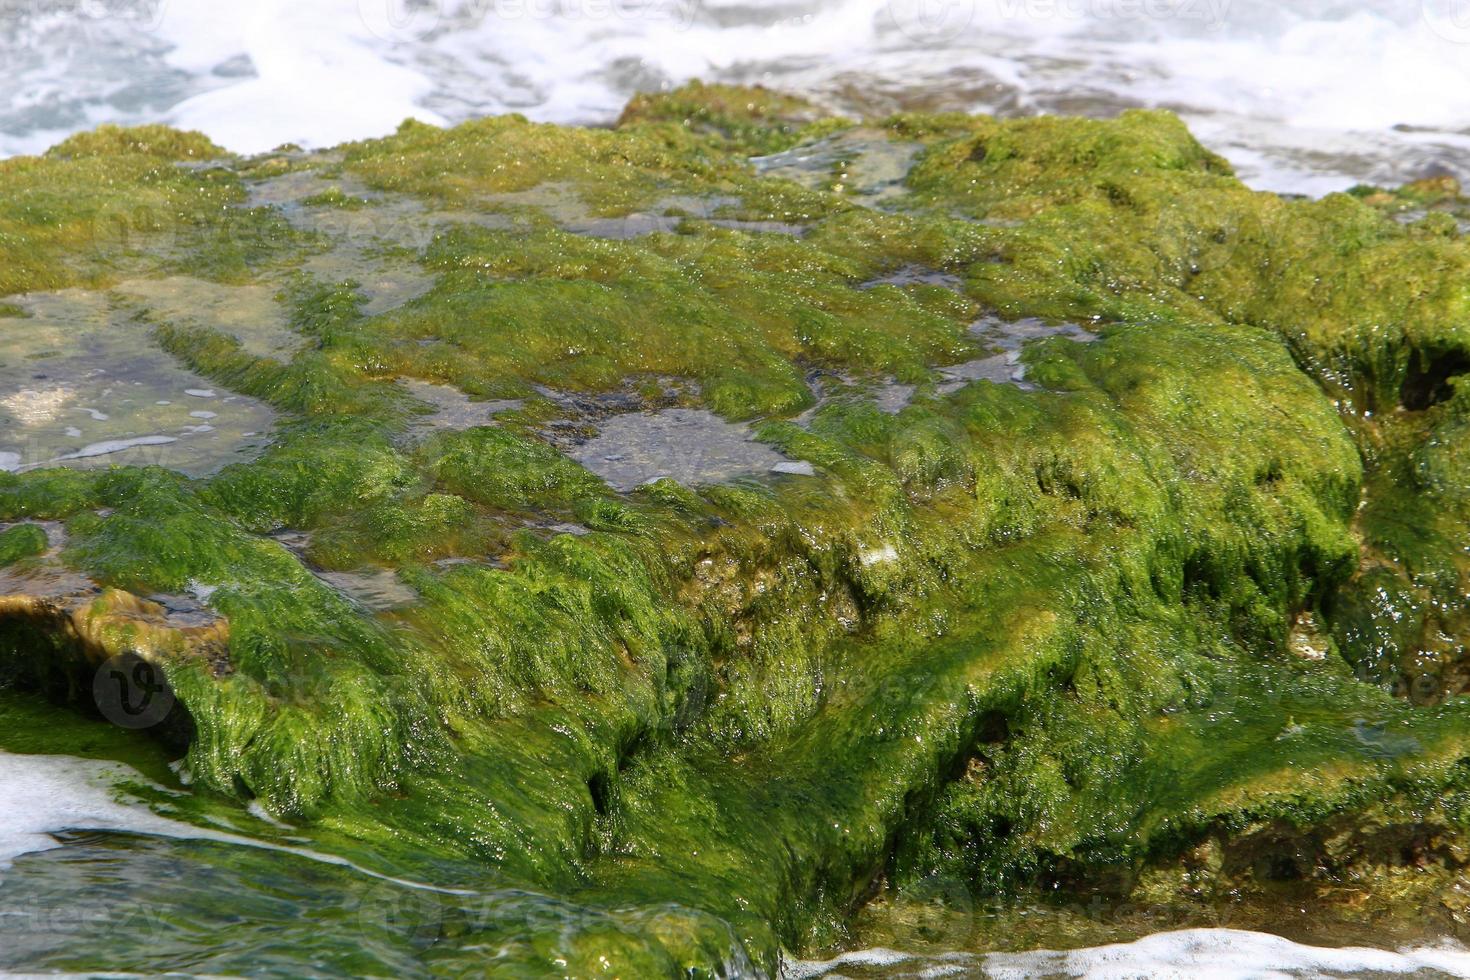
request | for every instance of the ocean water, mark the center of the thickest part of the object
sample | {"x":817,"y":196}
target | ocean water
{"x":1305,"y":96}
{"x":1217,"y":954}
{"x":103,"y":868}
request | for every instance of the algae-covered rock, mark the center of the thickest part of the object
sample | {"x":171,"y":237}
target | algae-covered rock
{"x":1057,"y":448}
{"x":21,"y":541}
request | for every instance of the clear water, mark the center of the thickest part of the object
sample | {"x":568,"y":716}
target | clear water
{"x":83,"y":384}
{"x":106,"y":858}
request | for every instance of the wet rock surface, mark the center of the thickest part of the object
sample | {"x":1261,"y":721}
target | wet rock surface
{"x":1007,"y":639}
{"x":1010,"y":337}
{"x":43,"y":576}
{"x":868,"y":164}
{"x":916,"y":275}
{"x":82,"y":384}
{"x":356,"y":229}
{"x":373,"y":589}
{"x":44,"y":586}
{"x":885,"y":394}
{"x":561,"y":204}
{"x":689,"y":446}
{"x":452,"y":408}
{"x":377,"y":589}
{"x":251,"y":314}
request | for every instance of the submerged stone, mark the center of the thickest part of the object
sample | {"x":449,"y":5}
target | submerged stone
{"x":452,"y":408}
{"x":377,"y":589}
{"x":1010,"y":336}
{"x":82,"y":384}
{"x":869,"y":164}
{"x":916,"y":275}
{"x":997,"y":368}
{"x":355,"y":231}
{"x":249,"y":313}
{"x":562,"y":204}
{"x":689,"y":446}
{"x":40,"y":574}
{"x":185,"y":610}
{"x":885,"y":394}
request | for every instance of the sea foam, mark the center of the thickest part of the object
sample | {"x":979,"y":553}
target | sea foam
{"x":1215,"y":954}
{"x":1307,"y":95}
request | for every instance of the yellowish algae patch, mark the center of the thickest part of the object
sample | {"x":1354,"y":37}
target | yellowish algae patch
{"x":252,"y":314}
{"x":1013,"y":635}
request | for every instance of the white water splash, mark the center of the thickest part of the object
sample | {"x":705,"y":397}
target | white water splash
{"x":45,"y":795}
{"x":40,"y":795}
{"x":1185,"y":954}
{"x":1304,"y":95}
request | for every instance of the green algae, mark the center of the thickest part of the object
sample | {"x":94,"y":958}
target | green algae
{"x":1001,"y":636}
{"x":749,"y":120}
{"x":21,"y":541}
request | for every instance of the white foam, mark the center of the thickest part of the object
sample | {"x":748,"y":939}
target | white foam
{"x":319,"y":78}
{"x":110,"y":446}
{"x":1186,"y":954}
{"x":44,"y":795}
{"x":1305,"y":95}
{"x":877,"y":956}
{"x":1235,"y":954}
{"x":200,"y":591}
{"x":878,"y":556}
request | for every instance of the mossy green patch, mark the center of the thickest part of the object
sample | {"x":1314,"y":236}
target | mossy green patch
{"x":21,"y":541}
{"x":1005,"y":632}
{"x":163,"y":142}
{"x":743,"y":119}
